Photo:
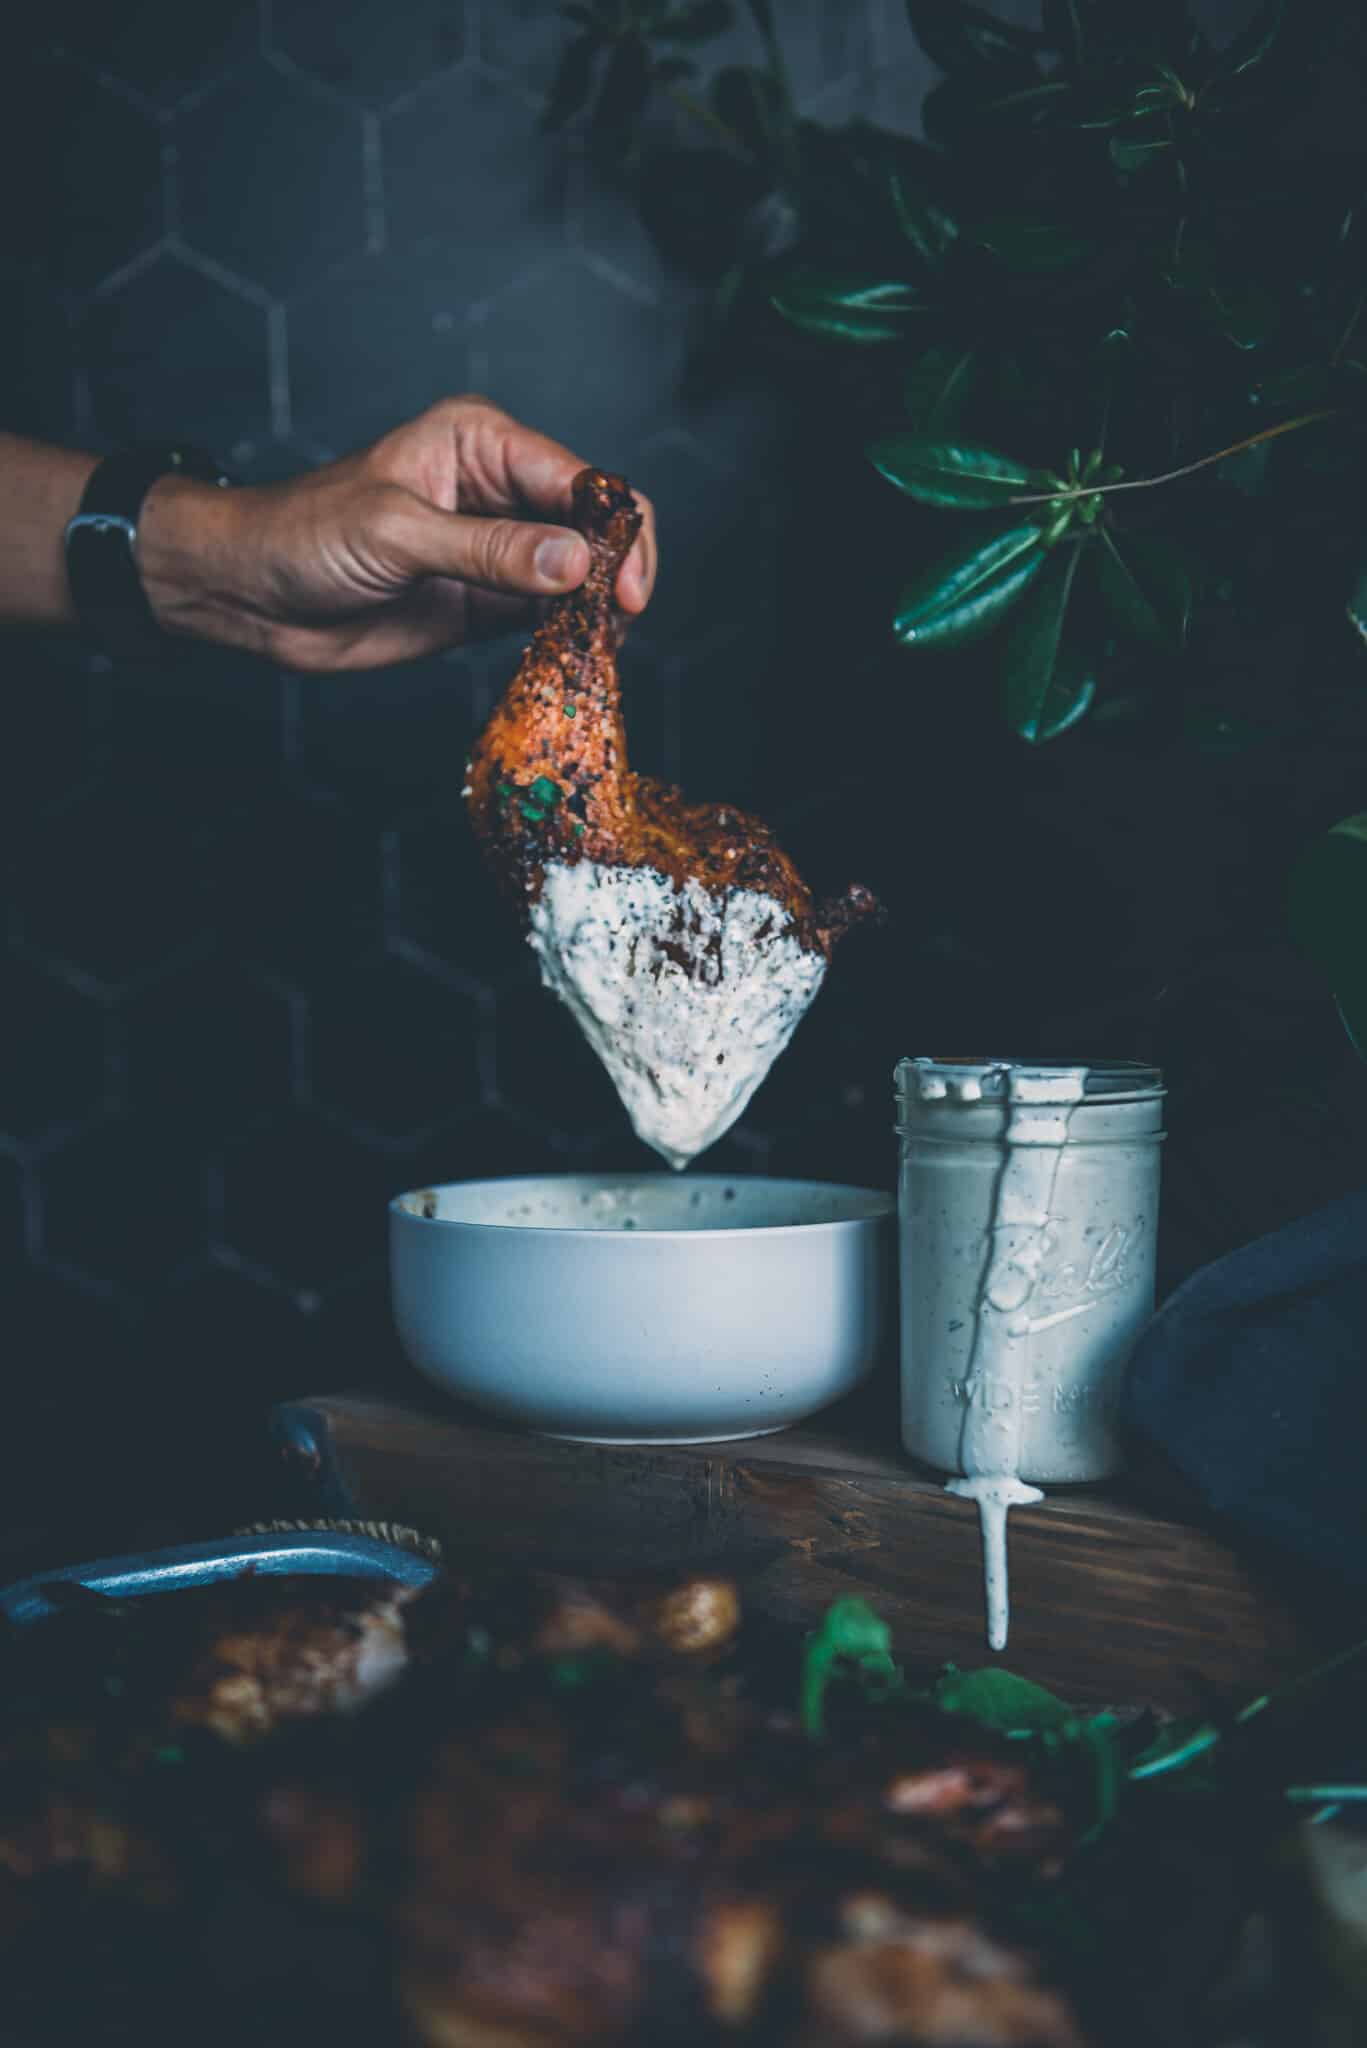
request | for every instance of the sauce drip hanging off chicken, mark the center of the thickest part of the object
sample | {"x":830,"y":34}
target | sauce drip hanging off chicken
{"x":680,"y":935}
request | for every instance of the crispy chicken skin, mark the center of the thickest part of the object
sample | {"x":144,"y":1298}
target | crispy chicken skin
{"x":549,"y":777}
{"x":289,"y":1660}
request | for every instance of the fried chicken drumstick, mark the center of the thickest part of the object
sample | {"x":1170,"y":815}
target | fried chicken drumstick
{"x":681,"y":936}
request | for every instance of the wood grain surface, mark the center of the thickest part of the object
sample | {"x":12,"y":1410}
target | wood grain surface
{"x":1109,"y":1602}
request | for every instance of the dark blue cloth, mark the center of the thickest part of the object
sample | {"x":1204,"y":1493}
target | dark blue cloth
{"x":1251,"y":1381}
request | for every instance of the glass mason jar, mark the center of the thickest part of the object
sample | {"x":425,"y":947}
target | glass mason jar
{"x":1027,"y":1213}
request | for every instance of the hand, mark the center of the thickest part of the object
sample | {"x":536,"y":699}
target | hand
{"x":447,"y":527}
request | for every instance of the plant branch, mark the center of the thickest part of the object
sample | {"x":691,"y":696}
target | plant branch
{"x":696,"y":111}
{"x":1147,"y":483}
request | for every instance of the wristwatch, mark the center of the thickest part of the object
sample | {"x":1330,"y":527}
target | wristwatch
{"x":102,"y":570}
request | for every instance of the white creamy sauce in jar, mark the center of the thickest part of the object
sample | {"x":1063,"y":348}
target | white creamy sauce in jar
{"x":687,"y":997}
{"x":1007,"y":1315}
{"x":1028,"y":1201}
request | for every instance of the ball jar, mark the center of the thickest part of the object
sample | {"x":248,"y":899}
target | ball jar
{"x":1027,"y":1220}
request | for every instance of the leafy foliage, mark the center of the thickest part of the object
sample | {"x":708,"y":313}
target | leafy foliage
{"x":1297,"y":1726}
{"x":1117,"y":296}
{"x":1099,"y":246}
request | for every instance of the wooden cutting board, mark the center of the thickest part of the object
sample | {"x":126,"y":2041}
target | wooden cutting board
{"x":1109,"y":1603}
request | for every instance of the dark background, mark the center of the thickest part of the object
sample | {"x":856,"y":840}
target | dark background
{"x":253,"y":982}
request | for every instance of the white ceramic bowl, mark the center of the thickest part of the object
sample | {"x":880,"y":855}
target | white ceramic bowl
{"x":644,"y":1309}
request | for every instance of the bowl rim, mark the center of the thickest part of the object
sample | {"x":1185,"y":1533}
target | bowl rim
{"x":883,"y":1205}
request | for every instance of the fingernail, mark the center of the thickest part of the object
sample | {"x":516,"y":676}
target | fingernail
{"x":560,"y":562}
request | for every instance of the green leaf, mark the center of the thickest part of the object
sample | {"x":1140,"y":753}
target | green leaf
{"x":1327,"y":909}
{"x":1174,"y":1748}
{"x":1246,"y":471}
{"x":1062,"y":23}
{"x":965,"y":594}
{"x":747,"y":102}
{"x":1148,"y":588}
{"x":926,"y":226}
{"x":847,"y":308}
{"x":573,"y":81}
{"x":937,"y":384}
{"x":1357,"y":607}
{"x":1243,"y":309}
{"x":852,"y":1641}
{"x":1025,"y":244}
{"x":1100,"y":1738}
{"x":999,"y":1699}
{"x":1129,"y":154}
{"x":1302,"y":390}
{"x":1254,"y":41}
{"x":626,"y":88}
{"x":944,"y":473}
{"x":954,"y":34}
{"x":1047,"y":689}
{"x":1245,"y":315}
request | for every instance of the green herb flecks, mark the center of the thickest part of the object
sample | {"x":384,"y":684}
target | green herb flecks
{"x":544,"y":791}
{"x":571,"y":711}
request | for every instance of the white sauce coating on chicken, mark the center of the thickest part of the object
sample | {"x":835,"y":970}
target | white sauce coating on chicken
{"x":687,"y":998}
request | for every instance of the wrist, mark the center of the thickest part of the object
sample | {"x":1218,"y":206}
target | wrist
{"x":40,"y":490}
{"x":189,"y":556}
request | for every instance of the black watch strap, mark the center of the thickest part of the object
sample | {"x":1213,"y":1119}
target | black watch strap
{"x":106,"y":588}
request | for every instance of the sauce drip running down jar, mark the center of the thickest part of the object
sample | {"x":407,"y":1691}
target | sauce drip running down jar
{"x":1028,"y":1206}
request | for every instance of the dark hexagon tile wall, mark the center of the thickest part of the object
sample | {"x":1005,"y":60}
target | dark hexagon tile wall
{"x":406,"y":344}
{"x":372,"y":53}
{"x":296,"y":884}
{"x":53,"y":1068}
{"x":399,"y":1046}
{"x":110,"y":886}
{"x":174,"y":341}
{"x":480,"y":224}
{"x":124,"y":1202}
{"x":241,"y":198}
{"x":256,"y":983}
{"x":208,"y":1048}
{"x":102,"y":158}
{"x":159,"y":50}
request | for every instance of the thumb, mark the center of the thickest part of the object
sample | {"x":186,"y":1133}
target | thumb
{"x":516,"y":556}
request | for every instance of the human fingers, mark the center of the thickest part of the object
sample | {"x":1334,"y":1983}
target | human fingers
{"x":523,"y":558}
{"x":505,"y":464}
